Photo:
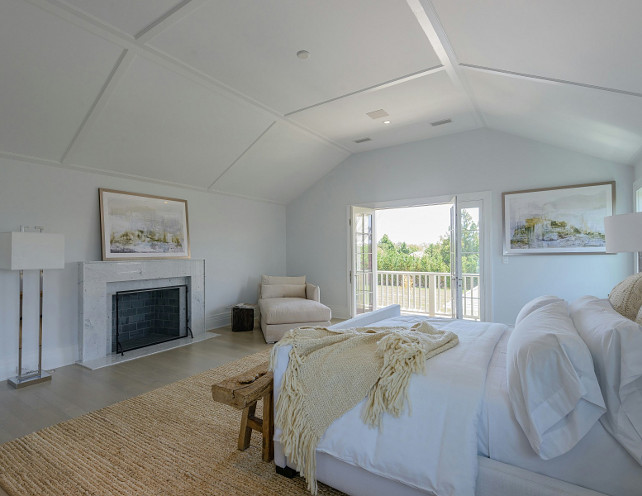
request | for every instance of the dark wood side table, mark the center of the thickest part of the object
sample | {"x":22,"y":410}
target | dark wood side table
{"x":242,"y":318}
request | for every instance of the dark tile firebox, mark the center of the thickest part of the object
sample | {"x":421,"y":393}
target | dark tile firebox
{"x":149,"y":316}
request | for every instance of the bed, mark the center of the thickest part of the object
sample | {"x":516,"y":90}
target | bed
{"x":485,"y":451}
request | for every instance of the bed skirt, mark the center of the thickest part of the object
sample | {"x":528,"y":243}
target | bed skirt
{"x":494,"y":479}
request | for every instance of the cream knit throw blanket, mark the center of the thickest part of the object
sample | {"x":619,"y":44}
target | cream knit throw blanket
{"x":330,"y":372}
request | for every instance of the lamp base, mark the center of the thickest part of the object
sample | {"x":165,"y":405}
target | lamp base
{"x":19,"y":382}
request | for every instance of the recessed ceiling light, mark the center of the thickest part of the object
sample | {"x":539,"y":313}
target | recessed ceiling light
{"x":386,"y":122}
{"x":303,"y":54}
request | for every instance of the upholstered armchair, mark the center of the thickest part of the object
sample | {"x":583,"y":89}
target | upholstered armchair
{"x":289,"y":302}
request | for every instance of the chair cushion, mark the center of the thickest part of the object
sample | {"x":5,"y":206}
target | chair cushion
{"x":283,"y":291}
{"x":291,"y":310}
{"x":282,"y":280}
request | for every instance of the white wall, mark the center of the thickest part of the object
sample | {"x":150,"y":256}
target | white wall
{"x":481,"y":160}
{"x":239,"y":239}
{"x":638,"y":170}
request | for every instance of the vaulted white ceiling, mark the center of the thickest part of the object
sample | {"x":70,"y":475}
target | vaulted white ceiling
{"x":210,"y":94}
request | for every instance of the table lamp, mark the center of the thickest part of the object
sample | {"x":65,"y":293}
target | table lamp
{"x":31,"y":251}
{"x":623,"y":232}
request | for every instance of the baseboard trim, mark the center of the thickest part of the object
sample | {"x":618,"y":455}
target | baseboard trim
{"x":217,"y":320}
{"x":224,"y":319}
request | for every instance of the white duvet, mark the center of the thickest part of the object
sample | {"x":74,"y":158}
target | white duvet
{"x":434,"y":445}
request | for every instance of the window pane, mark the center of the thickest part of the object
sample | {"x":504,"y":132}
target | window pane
{"x":470,"y":263}
{"x":367,"y":261}
{"x":359,"y":281}
{"x":367,"y":282}
{"x":359,"y":227}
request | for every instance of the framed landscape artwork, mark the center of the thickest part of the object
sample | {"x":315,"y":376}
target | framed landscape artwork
{"x":565,"y":219}
{"x":137,"y":226}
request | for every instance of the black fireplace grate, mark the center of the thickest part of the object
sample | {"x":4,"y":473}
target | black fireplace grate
{"x":144,"y":317}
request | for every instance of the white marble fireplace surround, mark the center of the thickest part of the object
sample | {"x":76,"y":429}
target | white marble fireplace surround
{"x":98,"y":281}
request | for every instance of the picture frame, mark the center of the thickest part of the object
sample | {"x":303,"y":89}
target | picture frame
{"x":137,"y":226}
{"x":557,"y":220}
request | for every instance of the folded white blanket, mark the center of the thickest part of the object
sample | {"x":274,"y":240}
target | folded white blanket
{"x":331,"y":371}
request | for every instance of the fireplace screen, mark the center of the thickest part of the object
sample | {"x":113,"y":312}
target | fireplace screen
{"x":148,"y":316}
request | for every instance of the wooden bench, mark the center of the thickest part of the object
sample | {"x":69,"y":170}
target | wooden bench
{"x":243,"y":391}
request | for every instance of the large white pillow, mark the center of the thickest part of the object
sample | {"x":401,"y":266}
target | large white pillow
{"x":551,"y":381}
{"x":534,"y":304}
{"x":616,"y":346}
{"x":283,"y":291}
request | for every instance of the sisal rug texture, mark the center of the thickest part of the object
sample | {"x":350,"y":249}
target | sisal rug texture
{"x":174,"y":440}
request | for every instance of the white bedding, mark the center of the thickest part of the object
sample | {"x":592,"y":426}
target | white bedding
{"x":598,"y":461}
{"x":439,"y":455}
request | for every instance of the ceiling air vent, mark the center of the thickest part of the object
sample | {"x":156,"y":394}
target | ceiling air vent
{"x":377,"y":114}
{"x":362,"y":140}
{"x":441,"y":123}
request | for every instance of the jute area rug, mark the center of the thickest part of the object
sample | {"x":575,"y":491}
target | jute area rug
{"x":174,"y":440}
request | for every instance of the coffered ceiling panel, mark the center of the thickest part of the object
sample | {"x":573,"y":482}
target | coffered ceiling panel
{"x":161,"y":125}
{"x":281,"y":165}
{"x":252,"y":47}
{"x":130,"y":16}
{"x":50,"y":75}
{"x":587,"y":41}
{"x":600,"y":123}
{"x":411,"y":107}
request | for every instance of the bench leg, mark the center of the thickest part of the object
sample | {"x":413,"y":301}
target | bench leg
{"x":268,"y":427}
{"x":246,"y":430}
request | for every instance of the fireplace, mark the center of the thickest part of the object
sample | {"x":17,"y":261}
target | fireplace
{"x":144,"y":317}
{"x":101,"y":282}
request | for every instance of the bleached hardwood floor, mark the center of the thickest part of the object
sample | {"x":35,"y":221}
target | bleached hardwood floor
{"x":75,"y":390}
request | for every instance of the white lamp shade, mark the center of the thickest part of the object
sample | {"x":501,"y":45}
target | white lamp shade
{"x":623,"y":232}
{"x":31,"y":251}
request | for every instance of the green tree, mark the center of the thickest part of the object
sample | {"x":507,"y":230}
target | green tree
{"x":436,"y":256}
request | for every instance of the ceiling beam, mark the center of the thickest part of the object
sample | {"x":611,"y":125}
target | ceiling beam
{"x":138,"y":46}
{"x":120,"y":67}
{"x":258,"y":138}
{"x":167,"y":19}
{"x":427,"y":17}
{"x":532,"y":77}
{"x":376,"y":87}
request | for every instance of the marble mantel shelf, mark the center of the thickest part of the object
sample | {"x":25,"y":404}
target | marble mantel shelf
{"x":98,"y":281}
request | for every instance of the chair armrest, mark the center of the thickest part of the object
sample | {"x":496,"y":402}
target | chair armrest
{"x":312,"y":292}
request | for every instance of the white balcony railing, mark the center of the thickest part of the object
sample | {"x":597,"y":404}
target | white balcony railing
{"x":427,"y":292}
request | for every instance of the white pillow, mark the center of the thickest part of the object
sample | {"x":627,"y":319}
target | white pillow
{"x":551,"y":381}
{"x":283,"y":291}
{"x":534,"y":304}
{"x":312,"y":292}
{"x":616,"y":345}
{"x":282,"y":279}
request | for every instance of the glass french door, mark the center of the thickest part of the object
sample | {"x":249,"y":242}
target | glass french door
{"x":455,"y":261}
{"x":456,"y":294}
{"x":364,"y":260}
